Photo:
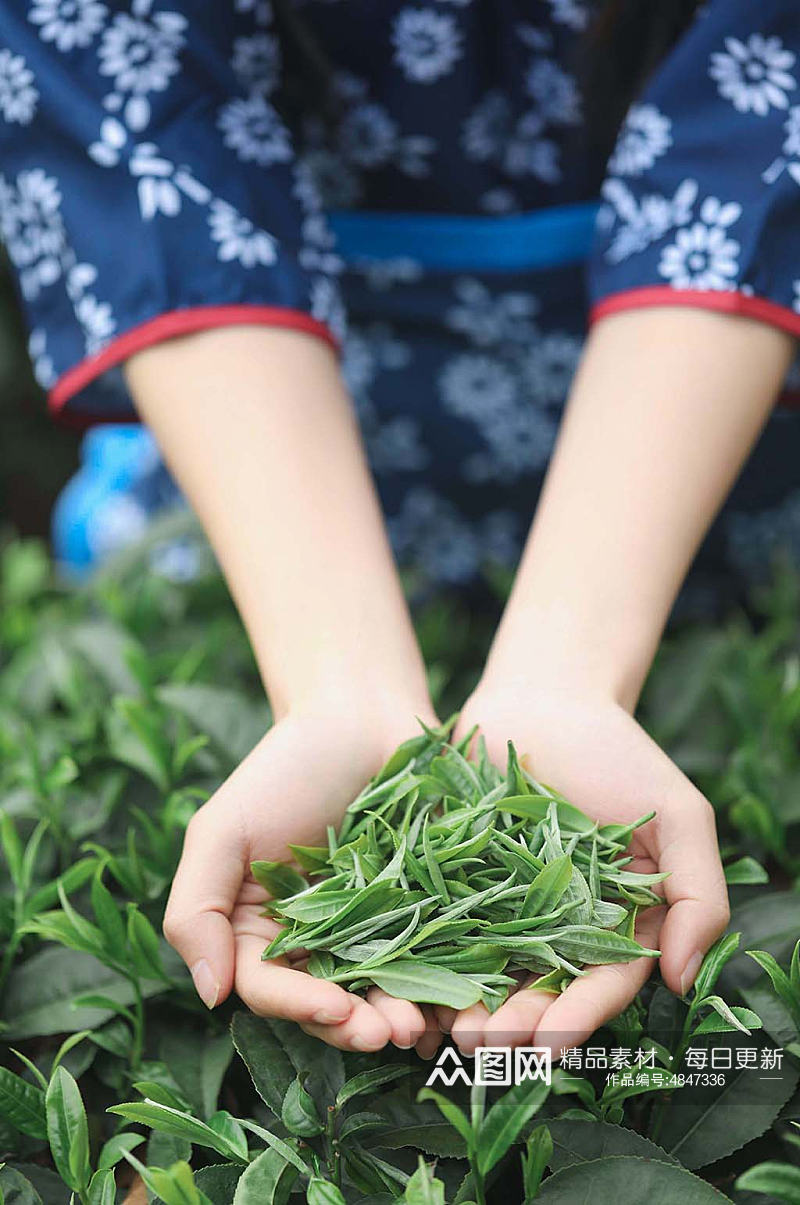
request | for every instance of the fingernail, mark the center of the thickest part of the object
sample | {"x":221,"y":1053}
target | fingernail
{"x":690,"y":970}
{"x":206,"y":986}
{"x":327,"y":1017}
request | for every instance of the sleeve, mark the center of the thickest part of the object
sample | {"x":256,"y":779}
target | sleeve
{"x":701,"y":204}
{"x":148,"y":186}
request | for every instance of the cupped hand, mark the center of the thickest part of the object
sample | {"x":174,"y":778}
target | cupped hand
{"x":298,"y":779}
{"x":595,"y":754}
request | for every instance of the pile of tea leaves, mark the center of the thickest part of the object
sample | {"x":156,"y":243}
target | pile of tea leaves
{"x":448,"y":879}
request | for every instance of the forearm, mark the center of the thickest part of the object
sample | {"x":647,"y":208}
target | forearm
{"x":665,"y":407}
{"x":259,"y":432}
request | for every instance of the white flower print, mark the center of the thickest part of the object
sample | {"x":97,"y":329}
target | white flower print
{"x":796,"y":302}
{"x":368,"y":136}
{"x":473,"y":385}
{"x":94,"y":316}
{"x":327,"y":306}
{"x":549,"y":365}
{"x":368,"y":351}
{"x":499,"y":201}
{"x":572,"y":13}
{"x":381,"y":274}
{"x":443,"y":546}
{"x":43,"y":367}
{"x":393,"y":445}
{"x":644,"y":137}
{"x":490,"y":134}
{"x":528,"y":153}
{"x":254,"y":130}
{"x":642,"y":223}
{"x":337,"y":184}
{"x":156,"y":190}
{"x":754,"y":75}
{"x":792,"y":130}
{"x":97,"y":321}
{"x":18,"y":96}
{"x":511,"y":402}
{"x":427,"y":44}
{"x":317,"y":253}
{"x":487,"y":128}
{"x":106,"y":149}
{"x":554,"y":91}
{"x":257,"y":62}
{"x":237,"y":238}
{"x":305,"y":187}
{"x":703,"y":255}
{"x":32,"y":229}
{"x":142,"y":54}
{"x":68,"y":23}
{"x":430,"y":532}
{"x":261,"y":10}
{"x":518,"y":436}
{"x":489,"y":319}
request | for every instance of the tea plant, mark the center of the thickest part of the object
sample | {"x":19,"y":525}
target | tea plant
{"x":114,"y":727}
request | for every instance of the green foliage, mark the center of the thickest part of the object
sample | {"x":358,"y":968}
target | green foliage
{"x":114,"y":728}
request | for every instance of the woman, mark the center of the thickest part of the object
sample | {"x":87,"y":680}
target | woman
{"x":174,"y":249}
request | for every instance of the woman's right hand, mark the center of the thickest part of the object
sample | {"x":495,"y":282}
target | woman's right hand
{"x":297,"y":780}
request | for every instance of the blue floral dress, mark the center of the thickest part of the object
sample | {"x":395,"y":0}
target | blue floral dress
{"x":412,"y":181}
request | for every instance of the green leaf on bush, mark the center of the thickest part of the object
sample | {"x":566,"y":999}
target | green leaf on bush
{"x":627,"y":1180}
{"x":15,"y":1189}
{"x":423,"y":1188}
{"x":265,"y":1058}
{"x":67,"y":1130}
{"x":745,"y":871}
{"x":576,"y":1141}
{"x":779,"y":1180}
{"x":368,"y":1081}
{"x":299,"y":1113}
{"x":505,"y":1121}
{"x":23,"y":1104}
{"x":710,"y":1123}
{"x":172,"y":1121}
{"x":323,"y":1192}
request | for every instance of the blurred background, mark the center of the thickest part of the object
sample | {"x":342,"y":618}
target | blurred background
{"x":37,"y":456}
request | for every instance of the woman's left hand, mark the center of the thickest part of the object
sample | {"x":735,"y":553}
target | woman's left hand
{"x":593,"y":752}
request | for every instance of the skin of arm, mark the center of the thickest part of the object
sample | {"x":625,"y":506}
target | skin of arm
{"x":665,"y":406}
{"x":258,"y":430}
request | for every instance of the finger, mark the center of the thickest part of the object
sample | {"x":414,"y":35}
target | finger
{"x":695,"y":890}
{"x":599,"y":994}
{"x":516,"y":1021}
{"x":405,"y":1019}
{"x":196,"y":921}
{"x":468,"y":1027}
{"x":431,"y":1039}
{"x":444,"y":1017}
{"x":365,"y":1029}
{"x":273,"y":989}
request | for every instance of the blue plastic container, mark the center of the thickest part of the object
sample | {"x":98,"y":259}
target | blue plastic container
{"x":121,"y":485}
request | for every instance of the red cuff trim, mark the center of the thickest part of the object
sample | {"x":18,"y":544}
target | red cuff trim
{"x":168,"y":326}
{"x":725,"y":303}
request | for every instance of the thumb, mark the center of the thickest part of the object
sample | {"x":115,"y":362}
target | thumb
{"x":204,"y":891}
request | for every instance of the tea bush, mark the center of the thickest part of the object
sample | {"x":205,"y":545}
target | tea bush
{"x":122,"y":705}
